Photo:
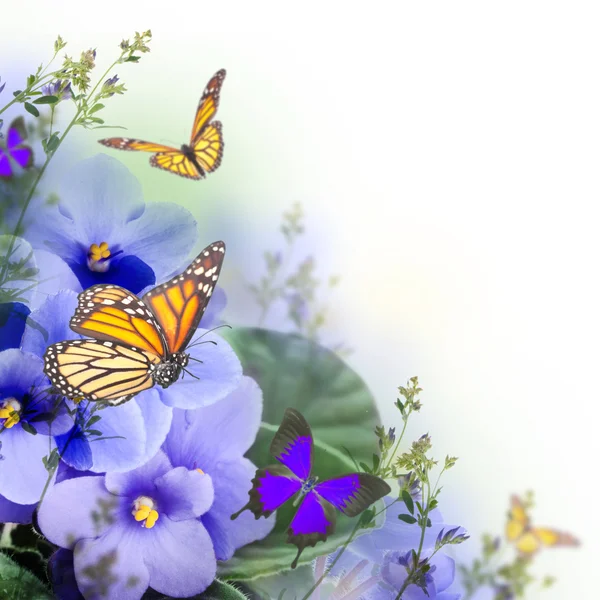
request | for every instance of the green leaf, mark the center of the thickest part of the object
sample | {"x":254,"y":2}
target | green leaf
{"x":376,"y":461}
{"x":93,"y":432}
{"x":95,"y":108}
{"x":52,"y":143}
{"x":17,"y":583}
{"x":408,"y":501}
{"x":132,"y":59}
{"x":46,"y":100}
{"x":217,"y":590}
{"x":28,"y":428}
{"x":32,"y":110}
{"x":220,"y":590}
{"x":407,"y":519}
{"x":93,"y":420}
{"x":295,"y":372}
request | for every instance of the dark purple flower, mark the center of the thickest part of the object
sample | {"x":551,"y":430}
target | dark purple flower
{"x":13,"y":316}
{"x":109,"y":84}
{"x":60,"y":89}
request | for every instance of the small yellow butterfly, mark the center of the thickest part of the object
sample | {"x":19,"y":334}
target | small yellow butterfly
{"x":527,"y":539}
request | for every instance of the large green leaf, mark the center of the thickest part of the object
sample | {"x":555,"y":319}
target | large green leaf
{"x":17,"y":583}
{"x":295,"y":372}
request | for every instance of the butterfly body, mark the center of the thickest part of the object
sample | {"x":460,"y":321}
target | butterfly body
{"x":138,"y":342}
{"x":204,"y":152}
{"x":168,"y":371}
{"x":315,"y":518}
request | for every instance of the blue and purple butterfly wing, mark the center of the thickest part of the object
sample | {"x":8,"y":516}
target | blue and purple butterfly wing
{"x":292,"y":445}
{"x":5,"y":166}
{"x":15,"y":146}
{"x":316,"y":517}
{"x":272,"y":486}
{"x":312,"y":523}
{"x":353,"y":493}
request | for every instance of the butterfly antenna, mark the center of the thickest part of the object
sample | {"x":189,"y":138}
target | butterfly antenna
{"x":196,"y":359}
{"x":206,"y":333}
{"x":191,"y":374}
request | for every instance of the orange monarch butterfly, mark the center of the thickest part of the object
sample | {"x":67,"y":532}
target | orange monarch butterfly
{"x":138,"y":342}
{"x":528,"y":539}
{"x":205,"y":150}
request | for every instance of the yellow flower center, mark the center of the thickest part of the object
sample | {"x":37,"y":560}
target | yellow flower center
{"x":98,"y":256}
{"x":9,"y":411}
{"x":144,"y":510}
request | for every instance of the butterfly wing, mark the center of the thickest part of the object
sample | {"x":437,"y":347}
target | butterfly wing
{"x":98,"y":370}
{"x":175,"y":161}
{"x":113,"y":314}
{"x":208,"y":105}
{"x":518,"y":520}
{"x":272,"y":486}
{"x":131,"y":144}
{"x":292,"y":445}
{"x":314,"y":521}
{"x":5,"y":166}
{"x":353,"y":493}
{"x":17,"y":134}
{"x":552,"y":537}
{"x":208,"y":147}
{"x":179,"y":304}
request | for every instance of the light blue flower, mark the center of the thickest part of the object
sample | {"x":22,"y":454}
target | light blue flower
{"x":135,"y":430}
{"x":105,"y":233}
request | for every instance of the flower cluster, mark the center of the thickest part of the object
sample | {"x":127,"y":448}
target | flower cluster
{"x":140,"y":494}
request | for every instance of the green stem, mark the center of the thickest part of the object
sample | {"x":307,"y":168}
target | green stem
{"x":69,"y":440}
{"x":13,"y":239}
{"x":330,"y":567}
{"x":43,"y":169}
{"x":409,"y":577}
{"x":389,"y":462}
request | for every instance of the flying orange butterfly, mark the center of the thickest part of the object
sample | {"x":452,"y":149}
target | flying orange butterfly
{"x":138,"y":342}
{"x":204,"y":152}
{"x":528,"y":539}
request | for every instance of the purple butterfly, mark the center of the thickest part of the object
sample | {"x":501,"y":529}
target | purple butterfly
{"x":15,"y":148}
{"x":274,"y":485}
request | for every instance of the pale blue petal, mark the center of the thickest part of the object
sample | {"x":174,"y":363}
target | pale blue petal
{"x":49,"y":324}
{"x":69,"y":510}
{"x":121,"y":453}
{"x":157,"y":420}
{"x":162,"y":237}
{"x":219,"y":374}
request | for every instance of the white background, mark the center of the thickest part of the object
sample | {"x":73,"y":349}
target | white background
{"x":447,"y":156}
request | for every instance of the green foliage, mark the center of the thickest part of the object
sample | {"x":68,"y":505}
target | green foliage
{"x":293,"y":371}
{"x":71,"y":81}
{"x":17,"y":583}
{"x":218,"y":590}
{"x":298,"y":287}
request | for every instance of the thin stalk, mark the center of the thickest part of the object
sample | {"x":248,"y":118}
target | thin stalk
{"x":328,"y":569}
